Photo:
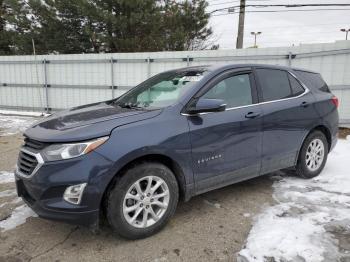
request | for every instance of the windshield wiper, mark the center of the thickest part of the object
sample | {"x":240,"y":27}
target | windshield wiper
{"x":130,"y":106}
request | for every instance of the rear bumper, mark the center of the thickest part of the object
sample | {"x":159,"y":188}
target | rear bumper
{"x":334,"y":142}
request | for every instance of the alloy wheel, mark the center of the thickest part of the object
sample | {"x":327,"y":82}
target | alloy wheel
{"x":146,"y":201}
{"x":315,"y":154}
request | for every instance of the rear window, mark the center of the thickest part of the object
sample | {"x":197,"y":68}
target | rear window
{"x":313,"y":80}
{"x":274,"y":84}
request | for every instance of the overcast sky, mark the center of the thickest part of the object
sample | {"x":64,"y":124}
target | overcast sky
{"x":280,"y":28}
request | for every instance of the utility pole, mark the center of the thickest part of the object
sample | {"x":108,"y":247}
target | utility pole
{"x":346,"y":32}
{"x":240,"y":35}
{"x":255,"y":34}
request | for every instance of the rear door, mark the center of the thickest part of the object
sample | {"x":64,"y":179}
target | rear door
{"x":288,"y":110}
{"x":226,"y":145}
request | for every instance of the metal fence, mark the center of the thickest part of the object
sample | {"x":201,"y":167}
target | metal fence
{"x":54,"y":82}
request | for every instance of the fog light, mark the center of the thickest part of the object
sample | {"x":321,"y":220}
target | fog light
{"x":73,"y":194}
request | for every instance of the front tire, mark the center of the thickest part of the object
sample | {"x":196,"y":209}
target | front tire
{"x":142,"y":201}
{"x":313,"y":155}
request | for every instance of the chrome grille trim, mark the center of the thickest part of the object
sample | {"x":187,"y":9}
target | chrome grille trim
{"x":39,"y":159}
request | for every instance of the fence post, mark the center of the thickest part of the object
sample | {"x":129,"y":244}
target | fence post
{"x":188,"y":60}
{"x":112,"y":77}
{"x":289,"y":58}
{"x":47,"y":109}
{"x":148,"y":67}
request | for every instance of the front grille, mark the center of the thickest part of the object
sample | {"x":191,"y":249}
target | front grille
{"x":34,"y":144}
{"x":26,"y":163}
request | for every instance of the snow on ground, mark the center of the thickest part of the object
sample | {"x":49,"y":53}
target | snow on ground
{"x":20,"y":213}
{"x":8,"y":193}
{"x":10,"y":125}
{"x":22,"y":113}
{"x":13,"y":202}
{"x":6,"y":177}
{"x":310,"y":219}
{"x":18,"y":217}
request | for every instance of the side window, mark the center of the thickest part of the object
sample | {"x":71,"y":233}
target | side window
{"x":297,"y":88}
{"x":235,"y":91}
{"x":274,"y":84}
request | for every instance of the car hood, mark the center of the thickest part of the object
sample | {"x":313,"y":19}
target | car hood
{"x":85,"y":122}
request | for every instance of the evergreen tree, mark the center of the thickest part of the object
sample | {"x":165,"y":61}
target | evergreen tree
{"x":5,"y":37}
{"x":84,"y":26}
{"x":126,"y":25}
{"x":61,"y":26}
{"x":14,"y":26}
{"x":185,"y":25}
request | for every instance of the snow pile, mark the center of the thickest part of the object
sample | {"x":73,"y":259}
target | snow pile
{"x":6,"y":177}
{"x":303,"y":226}
{"x":18,"y":217}
{"x":10,"y":125}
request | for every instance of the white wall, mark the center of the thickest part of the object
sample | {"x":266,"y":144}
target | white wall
{"x":85,"y":78}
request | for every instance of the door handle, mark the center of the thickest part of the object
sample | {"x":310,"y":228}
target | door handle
{"x":304,"y":104}
{"x":252,"y":115}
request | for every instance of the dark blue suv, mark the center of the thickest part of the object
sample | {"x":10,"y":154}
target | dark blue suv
{"x":176,"y":135}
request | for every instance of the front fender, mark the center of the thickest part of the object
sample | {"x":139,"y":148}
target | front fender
{"x":167,"y":136}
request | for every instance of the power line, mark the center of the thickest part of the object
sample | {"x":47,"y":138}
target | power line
{"x":234,"y":9}
{"x":278,"y":5}
{"x":292,"y":26}
{"x":282,"y":43}
{"x":214,"y":1}
{"x":280,"y":32}
{"x":224,"y":3}
{"x":296,"y":42}
{"x":310,"y":25}
{"x":279,"y":11}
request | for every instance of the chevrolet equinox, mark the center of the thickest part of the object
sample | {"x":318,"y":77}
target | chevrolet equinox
{"x":176,"y":135}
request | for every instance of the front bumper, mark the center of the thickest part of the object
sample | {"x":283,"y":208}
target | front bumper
{"x":84,"y":218}
{"x":43,"y":191}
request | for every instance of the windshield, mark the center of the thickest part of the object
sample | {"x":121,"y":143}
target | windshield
{"x":161,"y":90}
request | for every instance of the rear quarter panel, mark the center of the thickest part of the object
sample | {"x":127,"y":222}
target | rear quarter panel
{"x":327,"y":112}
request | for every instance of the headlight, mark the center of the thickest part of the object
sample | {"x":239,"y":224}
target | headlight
{"x":66,"y":151}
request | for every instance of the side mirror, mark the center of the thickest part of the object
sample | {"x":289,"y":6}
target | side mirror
{"x":205,"y":105}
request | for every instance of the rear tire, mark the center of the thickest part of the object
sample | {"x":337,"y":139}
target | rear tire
{"x":313,"y":155}
{"x":142,"y":201}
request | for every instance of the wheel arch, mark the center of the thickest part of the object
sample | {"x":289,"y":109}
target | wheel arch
{"x":325,"y":130}
{"x":158,"y":158}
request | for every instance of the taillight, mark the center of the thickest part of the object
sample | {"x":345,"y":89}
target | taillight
{"x":335,"y":101}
